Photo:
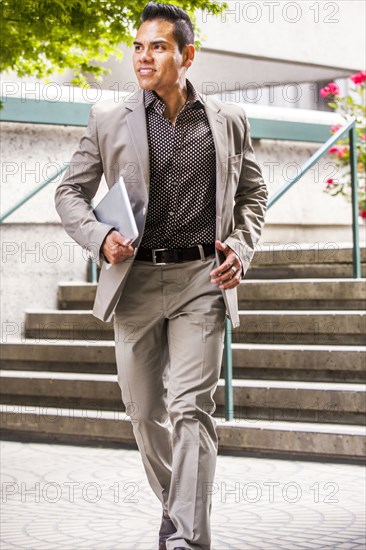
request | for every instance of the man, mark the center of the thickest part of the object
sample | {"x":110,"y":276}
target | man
{"x":199,"y":200}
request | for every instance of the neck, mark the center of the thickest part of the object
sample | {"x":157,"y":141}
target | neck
{"x":174,"y":101}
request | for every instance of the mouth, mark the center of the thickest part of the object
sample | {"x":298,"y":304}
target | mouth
{"x":146,"y":71}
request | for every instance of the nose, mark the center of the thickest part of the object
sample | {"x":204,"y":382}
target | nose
{"x":145,"y":54}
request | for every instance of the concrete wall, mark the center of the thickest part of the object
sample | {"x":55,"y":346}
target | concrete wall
{"x":37,"y":253}
{"x":301,"y":31}
{"x":35,"y":257}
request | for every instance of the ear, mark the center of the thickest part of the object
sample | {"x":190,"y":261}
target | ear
{"x":188,"y":55}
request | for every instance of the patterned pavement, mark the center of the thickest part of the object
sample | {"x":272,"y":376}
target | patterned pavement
{"x":64,"y":497}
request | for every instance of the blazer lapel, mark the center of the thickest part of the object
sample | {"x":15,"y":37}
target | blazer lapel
{"x":218,"y":127}
{"x":136,"y":123}
{"x":219,"y":132}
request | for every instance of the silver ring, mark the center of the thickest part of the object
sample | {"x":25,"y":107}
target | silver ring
{"x":234,"y":269}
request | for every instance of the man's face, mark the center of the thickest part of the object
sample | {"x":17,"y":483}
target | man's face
{"x":157,"y":61}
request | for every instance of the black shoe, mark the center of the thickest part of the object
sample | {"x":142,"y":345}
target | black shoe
{"x":167,"y":528}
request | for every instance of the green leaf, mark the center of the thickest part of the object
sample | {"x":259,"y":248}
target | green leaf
{"x":47,"y":36}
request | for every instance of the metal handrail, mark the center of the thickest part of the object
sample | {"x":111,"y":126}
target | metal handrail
{"x":32,"y":193}
{"x":349,"y":128}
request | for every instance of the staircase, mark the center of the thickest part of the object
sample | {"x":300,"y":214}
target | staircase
{"x":298,"y":359}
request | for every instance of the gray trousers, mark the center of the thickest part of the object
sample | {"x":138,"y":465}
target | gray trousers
{"x":169,"y":332}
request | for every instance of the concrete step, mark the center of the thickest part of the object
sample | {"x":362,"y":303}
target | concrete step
{"x":288,"y":327}
{"x":66,"y":325}
{"x":76,"y":295}
{"x":264,"y":399}
{"x":291,"y":260}
{"x":303,"y":271}
{"x":263,"y":294}
{"x":317,"y":363}
{"x":73,"y":356}
{"x":300,"y":439}
{"x":262,"y":438}
{"x":304,"y":337}
{"x":264,"y":361}
{"x":305,"y":253}
{"x":301,"y":327}
{"x":303,"y":294}
{"x":72,"y":425}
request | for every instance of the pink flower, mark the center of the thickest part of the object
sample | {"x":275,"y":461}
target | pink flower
{"x":358,"y":78}
{"x":339,"y":150}
{"x":335,"y":128}
{"x":363,"y":137}
{"x":331,"y":89}
{"x":330,"y":181}
{"x":363,"y":214}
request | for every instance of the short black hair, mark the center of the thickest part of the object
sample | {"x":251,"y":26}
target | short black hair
{"x":183,"y":32}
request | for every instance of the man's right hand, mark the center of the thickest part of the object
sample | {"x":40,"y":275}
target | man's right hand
{"x":117,"y":248}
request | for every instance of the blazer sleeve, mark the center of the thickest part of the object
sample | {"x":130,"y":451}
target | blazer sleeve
{"x":250,"y":204}
{"x":75,"y":192}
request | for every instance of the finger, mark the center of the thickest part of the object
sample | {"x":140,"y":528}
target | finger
{"x":224,"y":277}
{"x":221,"y":246}
{"x":121,"y":253}
{"x":118,"y":250}
{"x":129,"y":250}
{"x":234,"y":271}
{"x":230,"y":283}
{"x":124,"y":242}
{"x":230,"y":286}
{"x":227,"y":277}
{"x":117,"y":238}
{"x":227,"y":264}
{"x":226,"y":267}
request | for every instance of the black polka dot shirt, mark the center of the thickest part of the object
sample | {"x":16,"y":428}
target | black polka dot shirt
{"x":182,"y":195}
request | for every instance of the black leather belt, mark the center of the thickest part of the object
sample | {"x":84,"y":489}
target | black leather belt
{"x":162,"y":256}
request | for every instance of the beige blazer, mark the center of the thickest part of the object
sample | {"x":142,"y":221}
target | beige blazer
{"x":115,"y":143}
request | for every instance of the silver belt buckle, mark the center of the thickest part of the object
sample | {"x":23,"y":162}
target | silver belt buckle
{"x":154,"y":251}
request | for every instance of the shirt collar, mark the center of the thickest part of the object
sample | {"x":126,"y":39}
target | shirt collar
{"x":151,"y":98}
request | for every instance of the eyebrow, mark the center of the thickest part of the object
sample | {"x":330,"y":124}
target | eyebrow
{"x":160,"y":40}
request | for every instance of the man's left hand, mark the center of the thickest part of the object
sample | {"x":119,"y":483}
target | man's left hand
{"x":228,"y":274}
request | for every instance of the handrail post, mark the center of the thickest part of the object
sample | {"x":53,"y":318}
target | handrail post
{"x":92,"y":272}
{"x":228,"y":372}
{"x":92,"y":267}
{"x":354,"y":184}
